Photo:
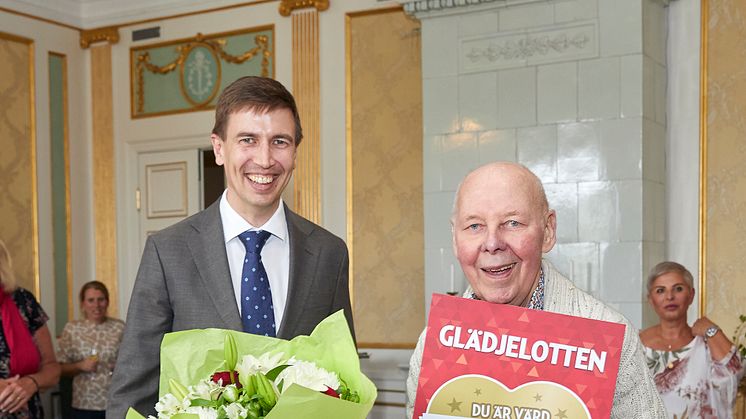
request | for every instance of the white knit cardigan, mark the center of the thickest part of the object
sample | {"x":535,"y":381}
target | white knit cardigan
{"x":635,"y":396}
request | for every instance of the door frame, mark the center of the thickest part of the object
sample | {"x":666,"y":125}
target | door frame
{"x":128,"y":254}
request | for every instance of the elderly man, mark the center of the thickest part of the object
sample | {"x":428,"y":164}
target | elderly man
{"x":501,"y":226}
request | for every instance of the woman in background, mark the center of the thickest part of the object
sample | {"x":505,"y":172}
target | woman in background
{"x":88,"y":350}
{"x":27,"y":362}
{"x":697,"y":368}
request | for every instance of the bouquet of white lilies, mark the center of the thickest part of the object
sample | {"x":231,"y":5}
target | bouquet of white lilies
{"x":309,"y":376}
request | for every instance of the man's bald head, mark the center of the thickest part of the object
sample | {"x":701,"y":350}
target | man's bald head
{"x":515,"y":173}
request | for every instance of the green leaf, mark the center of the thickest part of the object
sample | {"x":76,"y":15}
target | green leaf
{"x":231,"y":353}
{"x":178,"y":390}
{"x":345,"y":393}
{"x":279,"y":386}
{"x":274,"y":372}
{"x":204,"y":403}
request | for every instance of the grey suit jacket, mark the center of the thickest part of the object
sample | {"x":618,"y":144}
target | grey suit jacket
{"x":184,"y":283}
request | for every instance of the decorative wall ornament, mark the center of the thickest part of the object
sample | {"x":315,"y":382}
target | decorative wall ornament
{"x":104,"y":178}
{"x":108,"y":34}
{"x":287,"y":6}
{"x":420,"y":6}
{"x":199,"y":73}
{"x":306,"y":81}
{"x":186,"y":75}
{"x":526,"y":48}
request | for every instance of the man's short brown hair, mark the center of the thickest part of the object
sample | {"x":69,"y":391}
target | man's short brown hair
{"x":258,"y":94}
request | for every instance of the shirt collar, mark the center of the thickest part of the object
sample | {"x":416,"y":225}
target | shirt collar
{"x":234,"y":224}
{"x":537,"y":297}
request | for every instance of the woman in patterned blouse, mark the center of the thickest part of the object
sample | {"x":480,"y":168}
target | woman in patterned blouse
{"x":696,"y":368}
{"x":88,"y":350}
{"x":27,"y":362}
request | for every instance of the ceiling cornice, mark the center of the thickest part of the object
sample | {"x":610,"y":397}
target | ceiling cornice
{"x":65,"y":12}
{"x":91,"y":14}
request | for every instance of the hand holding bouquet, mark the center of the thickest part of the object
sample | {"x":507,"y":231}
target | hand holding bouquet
{"x":254,"y":376}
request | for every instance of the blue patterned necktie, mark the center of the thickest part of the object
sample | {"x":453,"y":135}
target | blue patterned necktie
{"x":257,"y":310}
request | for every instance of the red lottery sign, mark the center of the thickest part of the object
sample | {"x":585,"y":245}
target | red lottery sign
{"x":484,"y":360}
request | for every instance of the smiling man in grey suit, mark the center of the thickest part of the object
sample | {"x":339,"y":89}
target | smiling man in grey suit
{"x":191,"y":273}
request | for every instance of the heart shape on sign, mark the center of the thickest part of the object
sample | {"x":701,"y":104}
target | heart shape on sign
{"x":479,"y":396}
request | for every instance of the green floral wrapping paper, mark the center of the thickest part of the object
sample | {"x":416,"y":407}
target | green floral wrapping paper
{"x":191,"y":355}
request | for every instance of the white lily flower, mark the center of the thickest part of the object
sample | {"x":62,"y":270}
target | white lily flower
{"x":167,"y":406}
{"x":202,"y":412}
{"x":250,"y":365}
{"x":307,"y":374}
{"x":236,"y":411}
{"x":204,"y":389}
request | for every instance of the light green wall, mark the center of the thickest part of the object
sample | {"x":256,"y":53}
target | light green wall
{"x":57,"y":113}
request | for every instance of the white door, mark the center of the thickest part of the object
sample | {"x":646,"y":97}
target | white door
{"x":169,"y":189}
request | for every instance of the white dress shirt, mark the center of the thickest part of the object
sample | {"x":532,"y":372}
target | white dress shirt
{"x":275,"y":253}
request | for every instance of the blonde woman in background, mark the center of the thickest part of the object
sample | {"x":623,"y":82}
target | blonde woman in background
{"x":88,"y":351}
{"x":27,"y":362}
{"x":696,"y":368}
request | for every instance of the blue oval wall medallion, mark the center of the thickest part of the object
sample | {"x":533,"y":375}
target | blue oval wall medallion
{"x":200,"y":74}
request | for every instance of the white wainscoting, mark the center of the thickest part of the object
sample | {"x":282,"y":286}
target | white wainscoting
{"x":387,"y":368}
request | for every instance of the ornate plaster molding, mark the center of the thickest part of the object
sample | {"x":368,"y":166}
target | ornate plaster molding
{"x":287,"y":6}
{"x":108,"y":34}
{"x":568,"y":42}
{"x":420,"y":6}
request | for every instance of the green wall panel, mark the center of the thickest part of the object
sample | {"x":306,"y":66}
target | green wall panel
{"x":187,"y":75}
{"x":60,"y":189}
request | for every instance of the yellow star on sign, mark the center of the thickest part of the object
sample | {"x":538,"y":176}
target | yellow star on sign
{"x":538,"y":397}
{"x":454,"y":405}
{"x":478,"y":392}
{"x":561,"y":413}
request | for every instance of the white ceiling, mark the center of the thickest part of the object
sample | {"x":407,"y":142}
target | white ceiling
{"x":88,"y":14}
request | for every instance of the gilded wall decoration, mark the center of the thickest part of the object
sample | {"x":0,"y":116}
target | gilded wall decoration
{"x":287,"y":6}
{"x":105,"y":210}
{"x":723,"y":167}
{"x":384,"y":166}
{"x":724,"y":147}
{"x":18,"y":206}
{"x":109,"y":34}
{"x":186,"y":75}
{"x":307,"y":182}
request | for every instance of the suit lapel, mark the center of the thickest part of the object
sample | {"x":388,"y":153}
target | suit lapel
{"x":302,"y":273}
{"x":207,"y":245}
